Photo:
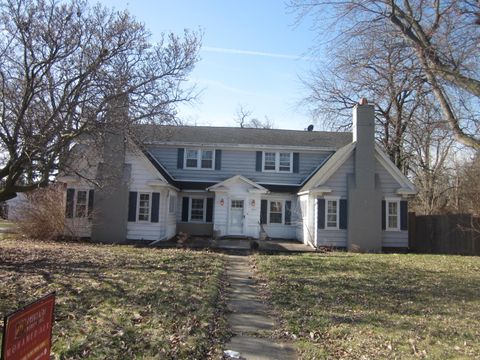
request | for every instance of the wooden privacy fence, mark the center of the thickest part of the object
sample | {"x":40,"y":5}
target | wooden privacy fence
{"x":444,"y":234}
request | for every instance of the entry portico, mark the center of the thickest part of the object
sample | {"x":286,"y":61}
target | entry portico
{"x":237,"y":206}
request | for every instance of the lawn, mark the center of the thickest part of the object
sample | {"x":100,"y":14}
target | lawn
{"x":119,"y":302}
{"x":390,"y":306}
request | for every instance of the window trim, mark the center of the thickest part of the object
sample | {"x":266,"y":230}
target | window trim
{"x":282,"y":209}
{"x":204,"y":215}
{"x":337,"y":220}
{"x":277,"y":162}
{"x":149,"y":206}
{"x":77,"y":191}
{"x":75,"y":196}
{"x":199,"y":159}
{"x":388,"y":201}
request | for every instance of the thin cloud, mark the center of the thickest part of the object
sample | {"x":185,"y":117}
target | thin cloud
{"x":253,"y":53}
{"x":224,"y":86}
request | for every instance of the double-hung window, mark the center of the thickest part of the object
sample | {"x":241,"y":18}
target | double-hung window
{"x":199,"y":159}
{"x":392,"y":214}
{"x":331,"y":213}
{"x":276,"y":213}
{"x":144,"y":207}
{"x":277,"y":161}
{"x":197,"y":209}
{"x":81,"y":204}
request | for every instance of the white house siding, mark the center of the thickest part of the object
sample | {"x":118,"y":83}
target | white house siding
{"x":281,"y":231}
{"x":141,"y":174}
{"x":336,"y":238}
{"x":171,"y":217}
{"x":389,"y":188}
{"x":239,"y":162}
{"x":338,"y":184}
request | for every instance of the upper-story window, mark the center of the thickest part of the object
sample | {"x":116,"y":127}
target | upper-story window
{"x":199,"y":159}
{"x":277,"y":161}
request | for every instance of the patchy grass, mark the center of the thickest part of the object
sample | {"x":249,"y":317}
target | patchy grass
{"x":119,"y":302}
{"x":358,"y":306}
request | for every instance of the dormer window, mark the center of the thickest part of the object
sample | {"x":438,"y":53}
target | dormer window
{"x":199,"y":159}
{"x":277,"y":161}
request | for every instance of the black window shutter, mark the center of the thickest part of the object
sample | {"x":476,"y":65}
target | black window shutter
{"x":258,"y":162}
{"x":185,"y":204}
{"x":209,"y":215}
{"x":403,"y":215}
{"x":90,"y":202}
{"x":343,"y":214}
{"x":132,"y":206}
{"x":263,"y":211}
{"x":69,"y":209}
{"x":155,"y":207}
{"x":288,"y":212}
{"x":384,"y":210}
{"x":321,"y":213}
{"x":180,"y":157}
{"x":296,"y":162}
{"x":218,"y":159}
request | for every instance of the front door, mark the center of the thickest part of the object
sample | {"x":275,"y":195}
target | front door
{"x":236,"y":217}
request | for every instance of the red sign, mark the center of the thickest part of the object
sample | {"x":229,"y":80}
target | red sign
{"x":27,"y":333}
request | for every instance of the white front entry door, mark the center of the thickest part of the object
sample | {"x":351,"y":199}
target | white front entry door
{"x":236,"y":217}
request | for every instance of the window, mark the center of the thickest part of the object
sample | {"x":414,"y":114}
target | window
{"x":172,"y":204}
{"x":392,"y":214}
{"x":269,"y":162}
{"x":285,"y":162}
{"x":331,"y":214}
{"x":276,"y":212}
{"x":197,"y":209}
{"x":81,"y":204}
{"x":237,"y":204}
{"x":199,"y":159}
{"x":144,"y":207}
{"x":192,"y":158}
{"x":277,"y":161}
{"x":207,"y":159}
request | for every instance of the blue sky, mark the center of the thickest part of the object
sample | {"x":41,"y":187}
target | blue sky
{"x":252,"y":55}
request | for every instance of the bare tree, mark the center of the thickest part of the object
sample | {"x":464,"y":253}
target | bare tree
{"x":442,"y":37}
{"x":243,"y":117}
{"x":376,"y":69}
{"x":63,"y":66}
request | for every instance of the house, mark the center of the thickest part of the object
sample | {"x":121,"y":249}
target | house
{"x":321,"y":188}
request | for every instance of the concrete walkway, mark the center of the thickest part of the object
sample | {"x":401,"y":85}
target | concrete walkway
{"x":249,"y":317}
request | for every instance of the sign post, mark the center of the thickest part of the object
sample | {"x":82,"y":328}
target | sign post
{"x":27,"y":333}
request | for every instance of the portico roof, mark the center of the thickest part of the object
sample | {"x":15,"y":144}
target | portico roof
{"x":224,"y":185}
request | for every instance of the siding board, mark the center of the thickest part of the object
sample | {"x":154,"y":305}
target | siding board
{"x":236,"y":162}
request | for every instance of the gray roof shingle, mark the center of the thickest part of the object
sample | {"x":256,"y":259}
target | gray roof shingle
{"x":244,"y":136}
